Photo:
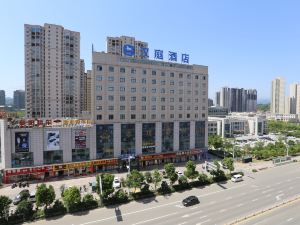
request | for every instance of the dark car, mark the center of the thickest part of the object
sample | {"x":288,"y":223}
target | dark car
{"x":191,"y":200}
{"x":23,"y":195}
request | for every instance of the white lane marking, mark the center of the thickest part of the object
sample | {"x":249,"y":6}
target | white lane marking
{"x":179,"y":206}
{"x":203,"y":222}
{"x":145,"y":221}
{"x":290,"y":219}
{"x":222,"y":210}
{"x":182,"y":223}
{"x":279,"y":191}
{"x":267,"y":191}
{"x":159,"y":206}
{"x":195,"y":207}
{"x":254,"y":200}
{"x":278,"y":183}
{"x":190,"y":214}
{"x":291,"y":188}
{"x":278,"y":197}
{"x":239,"y":205}
{"x":254,"y":186}
{"x":228,"y":198}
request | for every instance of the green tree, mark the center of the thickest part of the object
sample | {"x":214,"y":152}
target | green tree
{"x":228,"y":162}
{"x":203,"y":178}
{"x":183,"y":180}
{"x":44,"y":196}
{"x":215,"y":142}
{"x":190,"y":171}
{"x":135,"y":179}
{"x":71,"y":197}
{"x":107,"y":184}
{"x":171,"y":173}
{"x":148,"y":177}
{"x":24,"y":209}
{"x":156,"y":178}
{"x":4,"y":206}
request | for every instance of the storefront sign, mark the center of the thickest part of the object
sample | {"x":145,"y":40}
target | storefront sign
{"x":60,"y":167}
{"x":189,"y":152}
{"x":80,"y":139}
{"x":31,"y":170}
{"x":79,"y":165}
{"x":105,"y":162}
{"x":159,"y":156}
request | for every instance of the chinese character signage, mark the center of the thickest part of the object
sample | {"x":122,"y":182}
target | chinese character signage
{"x":128,"y":50}
{"x":158,"y":54}
{"x":22,"y":141}
{"x":144,"y":52}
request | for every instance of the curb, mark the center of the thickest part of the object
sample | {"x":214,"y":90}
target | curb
{"x":239,"y":220}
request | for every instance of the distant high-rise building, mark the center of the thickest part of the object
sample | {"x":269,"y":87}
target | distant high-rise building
{"x":88,"y":93}
{"x":82,"y":86}
{"x":237,"y":99}
{"x":117,"y":45}
{"x":2,"y":97}
{"x":52,"y":71}
{"x":19,"y":99}
{"x":217,"y":98}
{"x":278,"y":96}
{"x":210,"y":102}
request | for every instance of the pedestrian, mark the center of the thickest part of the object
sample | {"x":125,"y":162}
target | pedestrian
{"x":80,"y":188}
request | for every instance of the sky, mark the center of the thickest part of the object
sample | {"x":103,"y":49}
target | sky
{"x":244,"y":43}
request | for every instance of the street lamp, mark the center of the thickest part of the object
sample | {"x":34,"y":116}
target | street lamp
{"x":100,"y":185}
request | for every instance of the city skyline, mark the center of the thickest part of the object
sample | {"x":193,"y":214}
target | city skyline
{"x":229,"y":38}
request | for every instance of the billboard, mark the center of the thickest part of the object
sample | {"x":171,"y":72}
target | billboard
{"x":53,"y":140}
{"x":22,"y":141}
{"x":80,"y":139}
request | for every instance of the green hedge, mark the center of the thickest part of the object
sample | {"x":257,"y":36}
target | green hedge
{"x":57,"y":209}
{"x":142,"y":194}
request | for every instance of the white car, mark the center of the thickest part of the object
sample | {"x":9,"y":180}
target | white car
{"x":116,"y":183}
{"x":236,"y":178}
{"x":179,"y":173}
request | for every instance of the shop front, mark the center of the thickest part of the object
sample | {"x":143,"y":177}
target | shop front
{"x":101,"y":165}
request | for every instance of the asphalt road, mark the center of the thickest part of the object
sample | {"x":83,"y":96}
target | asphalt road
{"x":219,"y":203}
{"x":287,"y":215}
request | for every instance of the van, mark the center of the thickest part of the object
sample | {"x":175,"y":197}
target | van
{"x":236,"y":178}
{"x":32,"y":197}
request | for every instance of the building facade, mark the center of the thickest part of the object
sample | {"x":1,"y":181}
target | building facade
{"x":2,"y":98}
{"x":277,"y":105}
{"x":19,"y":99}
{"x":52,"y":71}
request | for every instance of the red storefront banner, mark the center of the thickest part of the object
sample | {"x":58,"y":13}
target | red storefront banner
{"x":29,"y":170}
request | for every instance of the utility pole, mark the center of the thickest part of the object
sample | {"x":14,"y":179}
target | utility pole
{"x":100,"y":184}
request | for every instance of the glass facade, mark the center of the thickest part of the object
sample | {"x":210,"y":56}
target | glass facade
{"x":148,"y":138}
{"x":128,"y":139}
{"x":184,"y":135}
{"x":80,"y":155}
{"x":51,"y":157}
{"x":22,"y":159}
{"x":167,"y":137}
{"x":105,"y":141}
{"x":200,"y":134}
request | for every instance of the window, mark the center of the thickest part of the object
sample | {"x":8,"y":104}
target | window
{"x":98,"y":78}
{"x":133,"y":80}
{"x":110,"y":88}
{"x":110,"y":117}
{"x":172,"y":91}
{"x":203,"y":115}
{"x":153,"y":99}
{"x":122,"y":116}
{"x":153,"y":90}
{"x":163,"y":116}
{"x":203,"y":107}
{"x":98,"y":107}
{"x":122,"y":79}
{"x":189,"y":84}
{"x":132,"y":107}
{"x":163,"y":99}
{"x":180,"y":107}
{"x":172,"y":82}
{"x":171,"y":99}
{"x":99,"y":68}
{"x":122,"y":70}
{"x":133,"y":90}
{"x":144,"y":107}
{"x":132,"y":116}
{"x":144,"y":72}
{"x":111,"y":69}
{"x":171,"y":116}
{"x":180,"y":83}
{"x":196,"y":99}
{"x":99,"y":97}
{"x":133,"y":99}
{"x":180,"y":116}
{"x":196,"y":77}
{"x":188,"y":115}
{"x":204,"y":78}
{"x":153,"y":72}
{"x":110,"y":78}
{"x":111,"y":107}
{"x":188,"y":108}
{"x":98,"y":87}
{"x":172,"y":107}
{"x":180,"y":75}
{"x":196,"y":115}
{"x":122,"y":98}
{"x":171,"y":74}
{"x":133,"y":70}
{"x":163,"y":107}
{"x":163,"y":74}
{"x":144,"y":90}
{"x":144,"y":80}
{"x":122,"y":107}
{"x":110,"y":98}
{"x":153,"y":116}
{"x":99,"y":117}
{"x":189,"y":76}
{"x":162,"y":90}
{"x":180,"y":99}
{"x":153,"y":107}
{"x":144,"y":98}
{"x":144,"y":116}
{"x":122,"y":89}
{"x":196,"y":107}
{"x":153,"y":81}
{"x":189,"y":92}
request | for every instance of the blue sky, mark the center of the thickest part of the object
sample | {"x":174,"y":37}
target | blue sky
{"x":244,"y":43}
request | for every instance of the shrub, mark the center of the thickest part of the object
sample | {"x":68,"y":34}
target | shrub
{"x":56,"y":210}
{"x":181,"y":187}
{"x":88,"y":202}
{"x":142,"y":194}
{"x":25,"y":209}
{"x":203,"y":179}
{"x":254,"y":170}
{"x":164,"y":188}
{"x":118,"y":197}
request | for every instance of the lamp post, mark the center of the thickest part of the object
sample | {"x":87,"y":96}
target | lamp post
{"x":100,"y":185}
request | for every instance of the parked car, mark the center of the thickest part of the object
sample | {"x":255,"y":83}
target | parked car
{"x":236,"y":178}
{"x":116,"y":183}
{"x":24,"y":194}
{"x":179,"y":173}
{"x":191,"y":200}
{"x":32,"y":196}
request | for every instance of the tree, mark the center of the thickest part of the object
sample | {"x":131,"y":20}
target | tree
{"x":215,"y":141}
{"x":71,"y":197}
{"x":44,"y":196}
{"x":134,"y":179}
{"x":107,"y":180}
{"x":148,"y":177}
{"x":228,"y":162}
{"x":190,"y":171}
{"x":171,"y":173}
{"x":183,"y":180}
{"x":156,"y":178}
{"x":4,"y":206}
{"x":203,"y":178}
{"x":24,"y":209}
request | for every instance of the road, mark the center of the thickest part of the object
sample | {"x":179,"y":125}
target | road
{"x":287,"y":214}
{"x":219,"y":203}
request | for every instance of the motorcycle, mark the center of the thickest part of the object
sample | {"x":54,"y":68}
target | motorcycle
{"x":13,"y":185}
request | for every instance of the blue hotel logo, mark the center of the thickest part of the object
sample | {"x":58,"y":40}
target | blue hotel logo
{"x":128,"y":50}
